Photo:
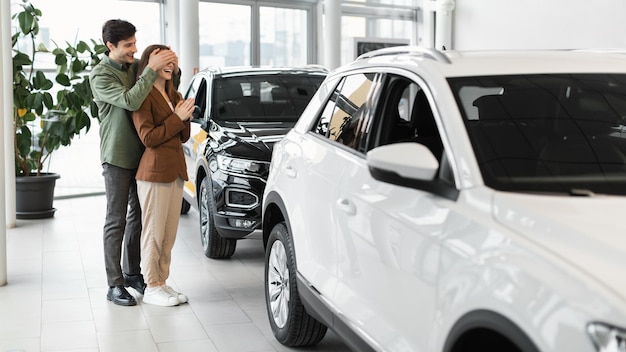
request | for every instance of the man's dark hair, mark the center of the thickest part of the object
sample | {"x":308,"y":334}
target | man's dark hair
{"x":115,"y":30}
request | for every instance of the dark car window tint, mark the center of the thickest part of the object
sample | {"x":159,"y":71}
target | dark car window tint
{"x":547,"y":133}
{"x":260,"y":98}
{"x":406,"y":116}
{"x":197,"y":90}
{"x":344,"y":117}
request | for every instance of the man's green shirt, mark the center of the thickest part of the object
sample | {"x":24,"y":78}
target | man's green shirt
{"x":117,"y":93}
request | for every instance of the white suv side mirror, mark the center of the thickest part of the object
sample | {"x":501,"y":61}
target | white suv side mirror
{"x":407,"y":160}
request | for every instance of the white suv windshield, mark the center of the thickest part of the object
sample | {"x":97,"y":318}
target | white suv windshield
{"x":547,"y":133}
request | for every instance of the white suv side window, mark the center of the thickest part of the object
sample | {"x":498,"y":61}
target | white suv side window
{"x":345,"y":115}
{"x":406,"y":116}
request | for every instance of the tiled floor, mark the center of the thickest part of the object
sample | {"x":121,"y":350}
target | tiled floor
{"x":55,"y":297}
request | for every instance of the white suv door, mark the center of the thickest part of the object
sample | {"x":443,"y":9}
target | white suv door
{"x":387,"y":236}
{"x":314,"y":174}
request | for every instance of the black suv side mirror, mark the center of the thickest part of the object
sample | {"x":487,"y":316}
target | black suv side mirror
{"x":196,"y":116}
{"x":197,"y":113}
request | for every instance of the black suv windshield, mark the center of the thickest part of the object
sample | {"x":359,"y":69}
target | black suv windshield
{"x":547,"y":133}
{"x":262,"y":98}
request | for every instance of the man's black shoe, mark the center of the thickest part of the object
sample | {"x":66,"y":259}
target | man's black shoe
{"x":136,"y":282}
{"x":119,"y":296}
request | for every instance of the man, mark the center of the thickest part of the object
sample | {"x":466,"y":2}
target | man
{"x":118,"y":89}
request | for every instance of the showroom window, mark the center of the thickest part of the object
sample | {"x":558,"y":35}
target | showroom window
{"x":225,"y":31}
{"x":274,"y":33}
{"x":58,"y":25}
{"x":413,"y":3}
{"x":277,"y":32}
{"x":369,"y":25}
{"x":283,"y":34}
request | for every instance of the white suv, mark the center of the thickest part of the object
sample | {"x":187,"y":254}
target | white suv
{"x":454,"y":201}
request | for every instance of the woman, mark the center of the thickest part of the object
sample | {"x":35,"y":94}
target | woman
{"x":162,"y":123}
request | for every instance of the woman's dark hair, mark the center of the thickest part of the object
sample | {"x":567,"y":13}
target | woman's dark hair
{"x":171,"y":91}
{"x":115,"y":30}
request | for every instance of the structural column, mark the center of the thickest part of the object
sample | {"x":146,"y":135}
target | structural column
{"x":438,"y":24}
{"x":171,"y":24}
{"x":332,"y":34}
{"x":443,"y":31}
{"x":6,"y":94}
{"x":188,"y":40}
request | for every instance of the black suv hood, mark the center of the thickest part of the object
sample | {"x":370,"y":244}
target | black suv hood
{"x":247,"y":140}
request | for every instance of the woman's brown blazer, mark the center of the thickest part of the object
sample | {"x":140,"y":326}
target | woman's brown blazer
{"x":162,"y":133}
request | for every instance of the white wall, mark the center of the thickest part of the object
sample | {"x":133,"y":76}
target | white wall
{"x":539,"y":24}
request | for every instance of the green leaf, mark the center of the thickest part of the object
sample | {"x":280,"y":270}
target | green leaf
{"x":34,"y":155}
{"x":21,"y":59}
{"x":82,"y":47}
{"x":23,"y":140}
{"x":93,"y":109}
{"x":25,"y":132}
{"x":78,"y":65}
{"x":70,"y":125}
{"x":74,"y":101}
{"x":41,"y":82}
{"x":83,"y":90}
{"x":100,"y":48}
{"x":63,"y":80}
{"x":60,"y":59}
{"x":83,"y":121}
{"x":25,"y":20}
{"x":29,"y":116}
{"x":71,"y":50}
{"x":47,"y":100}
{"x":42,"y":48}
{"x":20,"y":95}
{"x":35,"y":102}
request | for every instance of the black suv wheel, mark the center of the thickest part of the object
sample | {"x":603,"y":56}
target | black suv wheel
{"x":214,"y":245}
{"x":184,"y":209}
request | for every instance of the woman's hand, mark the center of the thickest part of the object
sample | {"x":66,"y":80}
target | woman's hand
{"x":184,"y":109}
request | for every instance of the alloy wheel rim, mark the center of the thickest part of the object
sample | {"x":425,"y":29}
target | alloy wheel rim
{"x":204,"y":217}
{"x":278,"y":284}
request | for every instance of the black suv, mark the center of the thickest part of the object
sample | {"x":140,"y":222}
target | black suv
{"x":240,"y":113}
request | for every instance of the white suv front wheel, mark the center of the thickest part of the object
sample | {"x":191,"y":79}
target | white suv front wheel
{"x":291,"y":324}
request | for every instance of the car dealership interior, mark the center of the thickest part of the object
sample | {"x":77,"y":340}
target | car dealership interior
{"x":53,"y":288}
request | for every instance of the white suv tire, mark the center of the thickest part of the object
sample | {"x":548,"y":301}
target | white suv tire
{"x":290,"y":323}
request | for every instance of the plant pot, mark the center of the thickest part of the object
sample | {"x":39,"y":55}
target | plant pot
{"x":34,"y":196}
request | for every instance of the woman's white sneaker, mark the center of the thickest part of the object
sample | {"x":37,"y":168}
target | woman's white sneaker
{"x":159,"y":297}
{"x":181,"y":297}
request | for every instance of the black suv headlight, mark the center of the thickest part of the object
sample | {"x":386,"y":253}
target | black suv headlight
{"x":242,"y":166}
{"x":607,"y":338}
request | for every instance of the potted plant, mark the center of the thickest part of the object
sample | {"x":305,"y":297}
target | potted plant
{"x":46,"y":114}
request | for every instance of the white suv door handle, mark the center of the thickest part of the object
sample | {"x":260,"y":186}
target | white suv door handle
{"x":290,"y":171}
{"x":346,"y":206}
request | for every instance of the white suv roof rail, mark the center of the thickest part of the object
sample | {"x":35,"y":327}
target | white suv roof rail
{"x":407,"y":49}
